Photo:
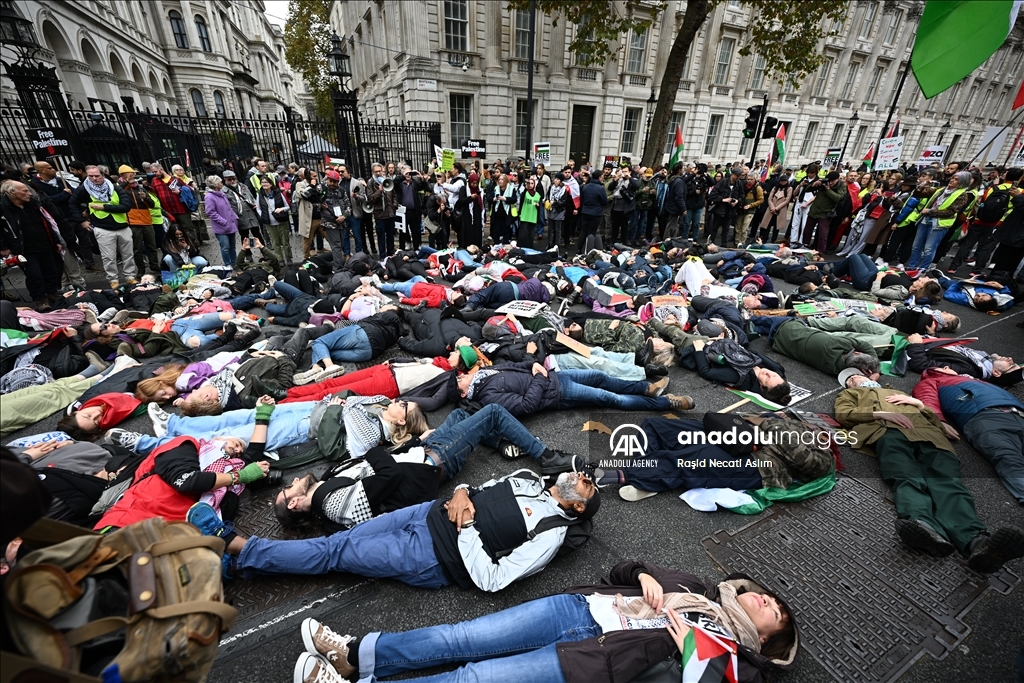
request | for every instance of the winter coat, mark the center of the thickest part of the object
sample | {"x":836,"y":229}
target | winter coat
{"x":242,"y":201}
{"x":11,"y":235}
{"x":593,"y":198}
{"x":675,"y":196}
{"x":267,"y":204}
{"x":621,"y":656}
{"x":723,"y":190}
{"x":307,"y":197}
{"x":518,"y":390}
{"x":272,"y":372}
{"x":383,"y":330}
{"x":218,"y":209}
{"x":1011,"y":231}
{"x":778,"y":204}
{"x":825,"y":201}
{"x":855,"y":408}
{"x":434,"y":331}
{"x":821,"y":350}
{"x":963,"y":397}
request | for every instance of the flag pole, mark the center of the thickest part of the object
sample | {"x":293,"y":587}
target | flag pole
{"x":892,"y":108}
{"x":1014,"y":146}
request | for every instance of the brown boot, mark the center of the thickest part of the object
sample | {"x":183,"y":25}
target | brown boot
{"x":657,"y":388}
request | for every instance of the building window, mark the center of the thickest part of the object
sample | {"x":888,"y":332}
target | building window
{"x":521,"y":114}
{"x":734,"y":4}
{"x":790,"y":85}
{"x":983,"y":105}
{"x":725,"y":49}
{"x":218,"y":101}
{"x":676,"y":120}
{"x":197,"y":102}
{"x":808,"y":143}
{"x":837,"y":26}
{"x":522,"y":35}
{"x":869,"y":19}
{"x":823,"y":73}
{"x":894,"y":27}
{"x":204,"y":34}
{"x":851,"y":78}
{"x":460,"y":108}
{"x":952,"y":97}
{"x":744,"y":147}
{"x":637,"y":52}
{"x":456,"y":25}
{"x":921,"y":142}
{"x":757,"y":77}
{"x":837,"y":135}
{"x":1003,"y":54}
{"x":178,"y":29}
{"x":895,"y":87}
{"x":858,"y":147}
{"x":999,"y":105}
{"x":714,"y":128}
{"x":630,"y":130}
{"x":967,"y":103}
{"x":876,"y":79}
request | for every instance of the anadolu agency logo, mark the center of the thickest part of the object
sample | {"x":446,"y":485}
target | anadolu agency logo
{"x":628,"y":441}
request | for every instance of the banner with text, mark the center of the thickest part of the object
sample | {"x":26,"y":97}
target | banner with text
{"x":930,"y":155}
{"x":542,"y":153}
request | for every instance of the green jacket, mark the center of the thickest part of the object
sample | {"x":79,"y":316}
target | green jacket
{"x":825,"y":201}
{"x":823,"y":351}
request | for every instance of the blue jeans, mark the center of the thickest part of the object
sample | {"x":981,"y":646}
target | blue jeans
{"x":196,"y":327}
{"x":347,"y":344}
{"x":240,"y":303}
{"x":861,"y":269}
{"x":612,"y":363}
{"x":926,"y":241}
{"x":227,"y":248}
{"x":198,"y":261}
{"x":691,"y":223}
{"x":352,"y":225}
{"x":396,"y":545}
{"x":515,"y":645}
{"x":593,"y":388}
{"x":460,"y":433}
{"x":403,"y":288}
{"x":288,"y":426}
{"x":286,"y":291}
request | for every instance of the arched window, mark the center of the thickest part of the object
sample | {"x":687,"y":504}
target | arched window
{"x":204,"y":34}
{"x":197,"y":102}
{"x":218,"y":101}
{"x":178,"y":29}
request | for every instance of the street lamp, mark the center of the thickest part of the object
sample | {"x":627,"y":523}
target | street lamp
{"x":16,"y":31}
{"x":942,"y":131}
{"x":346,"y":108}
{"x":652,"y":102}
{"x":849,"y":129}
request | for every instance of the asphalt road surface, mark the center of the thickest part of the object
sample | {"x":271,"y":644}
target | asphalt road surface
{"x":663,"y":530}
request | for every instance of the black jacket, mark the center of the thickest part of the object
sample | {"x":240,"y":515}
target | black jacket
{"x":593,"y":198}
{"x":383,"y":330}
{"x":675,"y":196}
{"x":697,"y":186}
{"x":920,"y":357}
{"x":11,"y":236}
{"x":435,"y":330}
{"x":723,"y":190}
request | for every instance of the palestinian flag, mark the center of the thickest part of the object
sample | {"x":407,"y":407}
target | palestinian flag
{"x":708,"y":658}
{"x":677,"y":148}
{"x":955,"y":37}
{"x":1018,"y":101}
{"x":894,"y":131}
{"x":777,"y":152}
{"x":869,"y":156}
{"x":757,"y":399}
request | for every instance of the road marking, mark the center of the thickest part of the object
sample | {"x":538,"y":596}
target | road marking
{"x":289,"y":615}
{"x":1001,"y":319}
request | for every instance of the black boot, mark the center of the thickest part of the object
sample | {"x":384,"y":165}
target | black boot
{"x":555,"y":462}
{"x":653,"y":370}
{"x":987,"y":554}
{"x":273,"y":392}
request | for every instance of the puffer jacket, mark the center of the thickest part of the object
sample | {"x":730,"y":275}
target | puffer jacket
{"x":435,"y":330}
{"x":518,"y":390}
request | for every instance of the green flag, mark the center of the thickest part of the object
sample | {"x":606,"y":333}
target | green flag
{"x":955,"y":37}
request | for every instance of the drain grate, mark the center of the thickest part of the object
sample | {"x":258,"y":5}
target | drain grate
{"x":867,"y":607}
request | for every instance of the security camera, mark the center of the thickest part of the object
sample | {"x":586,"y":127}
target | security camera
{"x":465,"y":68}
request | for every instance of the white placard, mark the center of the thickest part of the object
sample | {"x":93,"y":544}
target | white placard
{"x":889,"y":150}
{"x":542,"y":153}
{"x":932,"y":154}
{"x":1018,"y":159}
{"x":522,"y":308}
{"x":991,"y":143}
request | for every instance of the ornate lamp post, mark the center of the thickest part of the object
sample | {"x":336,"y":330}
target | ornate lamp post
{"x":346,"y":108}
{"x":942,"y":131}
{"x":652,"y":102}
{"x":36,"y":83}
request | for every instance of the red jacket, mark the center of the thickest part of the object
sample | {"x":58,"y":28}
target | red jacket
{"x":927,"y":390}
{"x":169,"y":201}
{"x":434,"y":295}
{"x":116,"y":408}
{"x":149,"y":495}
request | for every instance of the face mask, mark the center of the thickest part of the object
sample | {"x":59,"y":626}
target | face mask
{"x":870,"y":384}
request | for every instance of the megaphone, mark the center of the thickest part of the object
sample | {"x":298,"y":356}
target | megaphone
{"x":367,"y":207}
{"x":388,"y":185}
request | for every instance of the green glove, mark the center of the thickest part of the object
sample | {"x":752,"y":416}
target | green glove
{"x":263,"y":412}
{"x":250,"y":473}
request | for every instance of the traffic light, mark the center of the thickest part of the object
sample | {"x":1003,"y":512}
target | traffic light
{"x":771,"y":127}
{"x":750,"y":123}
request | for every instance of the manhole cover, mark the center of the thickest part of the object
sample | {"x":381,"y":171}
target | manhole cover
{"x":867,"y":607}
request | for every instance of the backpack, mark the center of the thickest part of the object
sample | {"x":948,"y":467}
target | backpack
{"x":499,"y":326}
{"x":577,"y":534}
{"x":994,"y":207}
{"x":188,"y":197}
{"x":150,"y":594}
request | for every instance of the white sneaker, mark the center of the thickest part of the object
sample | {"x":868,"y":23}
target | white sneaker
{"x":633,"y":494}
{"x":160,"y":418}
{"x":332,"y":371}
{"x":315,"y":669}
{"x":306,"y":376}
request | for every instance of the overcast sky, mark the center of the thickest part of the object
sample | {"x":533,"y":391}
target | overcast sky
{"x":276,"y":11}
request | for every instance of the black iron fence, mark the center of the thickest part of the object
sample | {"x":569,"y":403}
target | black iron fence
{"x":130,"y":137}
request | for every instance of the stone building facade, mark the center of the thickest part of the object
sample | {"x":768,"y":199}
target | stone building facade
{"x":205,"y":57}
{"x":464,"y":63}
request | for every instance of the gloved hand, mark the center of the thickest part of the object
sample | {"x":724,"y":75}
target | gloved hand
{"x":251,"y":472}
{"x":263,"y":412}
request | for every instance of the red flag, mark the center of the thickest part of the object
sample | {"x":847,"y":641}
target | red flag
{"x":894,"y":131}
{"x":1018,"y":101}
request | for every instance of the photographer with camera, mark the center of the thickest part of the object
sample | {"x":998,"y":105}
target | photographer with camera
{"x":830,"y":191}
{"x":623,"y":203}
